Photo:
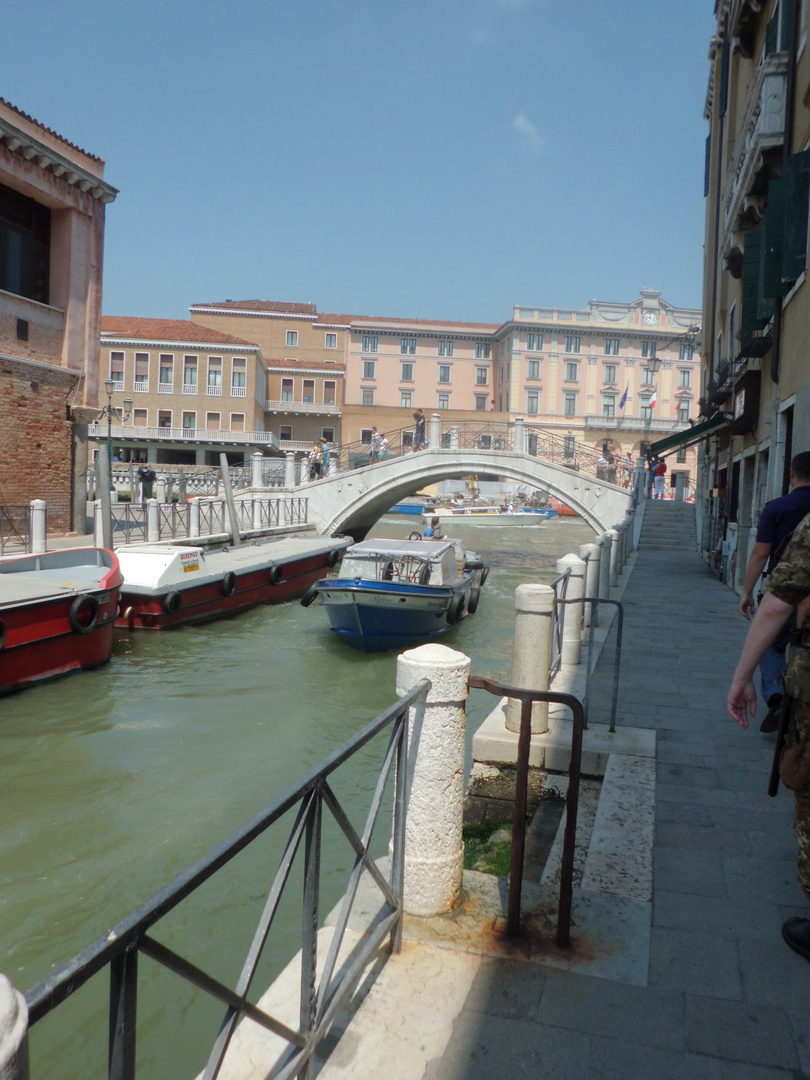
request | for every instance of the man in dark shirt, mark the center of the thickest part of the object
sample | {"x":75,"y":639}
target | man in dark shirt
{"x":776,"y":522}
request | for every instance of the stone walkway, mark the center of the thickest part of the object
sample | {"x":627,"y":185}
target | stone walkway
{"x":725,"y":997}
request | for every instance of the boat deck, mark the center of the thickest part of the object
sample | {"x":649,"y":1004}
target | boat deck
{"x":44,"y":584}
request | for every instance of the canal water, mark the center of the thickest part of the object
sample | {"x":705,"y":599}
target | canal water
{"x":112,"y":782}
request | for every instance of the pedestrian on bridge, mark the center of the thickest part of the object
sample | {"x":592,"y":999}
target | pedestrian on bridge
{"x":419,"y":430}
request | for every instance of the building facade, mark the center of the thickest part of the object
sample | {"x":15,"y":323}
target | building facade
{"x":756,"y":306}
{"x":52,"y":205}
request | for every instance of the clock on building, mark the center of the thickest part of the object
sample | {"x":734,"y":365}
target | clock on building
{"x":651,"y":318}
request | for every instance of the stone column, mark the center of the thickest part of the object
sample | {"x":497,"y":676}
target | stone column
{"x":152,"y":521}
{"x":303,"y":471}
{"x":435,"y":431}
{"x":193,"y":517}
{"x":572,"y":627}
{"x":13,"y":1033}
{"x":591,"y":553}
{"x":39,"y":526}
{"x":679,"y":487}
{"x":289,"y":470}
{"x":454,"y":438}
{"x":256,"y":469}
{"x":532,"y":652}
{"x":520,"y":436}
{"x":606,"y":544}
{"x":614,"y":569}
{"x":257,"y":512}
{"x":434,"y":849}
{"x":160,"y":489}
{"x":78,"y":514}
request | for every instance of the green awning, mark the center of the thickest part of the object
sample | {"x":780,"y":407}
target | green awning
{"x":690,"y":435}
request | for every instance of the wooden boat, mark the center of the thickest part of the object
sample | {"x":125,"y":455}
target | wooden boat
{"x":393,"y":594}
{"x":490,"y":515}
{"x":174,"y":584}
{"x":57,"y":612}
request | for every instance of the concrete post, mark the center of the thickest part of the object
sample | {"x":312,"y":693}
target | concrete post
{"x":454,"y":438}
{"x":590,"y":552}
{"x":160,"y":489}
{"x":182,"y":488}
{"x":194,"y":517}
{"x":435,"y":431}
{"x":532,"y":651}
{"x":39,"y":526}
{"x":434,"y":849}
{"x":13,"y":1033}
{"x":256,"y":469}
{"x":519,"y":445}
{"x":257,"y":512}
{"x":303,"y":471}
{"x":572,"y":627}
{"x":679,"y":495}
{"x":640,"y":482}
{"x":78,"y":516}
{"x":289,"y":470}
{"x":98,"y":533}
{"x":152,"y":521}
{"x":614,"y":569}
{"x":606,"y":544}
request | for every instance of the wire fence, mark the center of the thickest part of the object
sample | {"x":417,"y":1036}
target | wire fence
{"x":15,"y":529}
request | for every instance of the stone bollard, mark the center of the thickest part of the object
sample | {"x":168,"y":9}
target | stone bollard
{"x":572,"y":627}
{"x":679,"y":478}
{"x":520,"y":439}
{"x":606,"y":544}
{"x":303,"y":471}
{"x":590,"y":552}
{"x":257,"y":512}
{"x":454,"y":438}
{"x":614,"y":569}
{"x":435,"y":431}
{"x":256,"y":469}
{"x":39,"y":526}
{"x":532,"y":653}
{"x":160,"y":489}
{"x":289,"y":471}
{"x":98,"y":525}
{"x":13,"y":1033}
{"x":194,"y":517}
{"x":152,"y":521}
{"x":434,"y":848}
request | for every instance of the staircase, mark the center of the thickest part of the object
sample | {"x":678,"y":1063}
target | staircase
{"x":668,"y":526}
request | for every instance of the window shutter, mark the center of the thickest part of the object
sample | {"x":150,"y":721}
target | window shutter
{"x":750,"y":281}
{"x":725,"y":56}
{"x":773,"y":232}
{"x":797,"y":203}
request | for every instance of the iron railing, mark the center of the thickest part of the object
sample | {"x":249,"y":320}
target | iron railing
{"x":320,"y":998}
{"x":15,"y":528}
{"x":560,"y":587}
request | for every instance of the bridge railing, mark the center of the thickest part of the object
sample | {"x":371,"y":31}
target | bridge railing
{"x":15,"y":529}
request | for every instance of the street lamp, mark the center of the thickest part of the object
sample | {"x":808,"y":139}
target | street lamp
{"x":109,"y":411}
{"x":688,"y":338}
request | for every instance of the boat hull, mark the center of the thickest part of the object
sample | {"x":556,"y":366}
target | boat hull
{"x":486,"y":516}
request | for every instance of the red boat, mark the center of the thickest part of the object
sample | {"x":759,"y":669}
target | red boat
{"x":174,"y":584}
{"x":57,"y":612}
{"x":563,"y":509}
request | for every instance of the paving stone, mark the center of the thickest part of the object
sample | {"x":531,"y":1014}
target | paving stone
{"x":737,"y":920}
{"x":679,"y":774}
{"x":800,"y":1023}
{"x":614,"y":1059}
{"x":735,"y":1031}
{"x":684,"y":814}
{"x":752,"y":879}
{"x":773,"y":975}
{"x":692,"y":838}
{"x":483,"y":1047}
{"x":697,"y":872}
{"x":693,"y":961}
{"x":507,"y":989}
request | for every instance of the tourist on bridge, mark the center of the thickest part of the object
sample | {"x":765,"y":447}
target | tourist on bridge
{"x":374,"y":446}
{"x":315,"y":461}
{"x":419,"y":430}
{"x":326,"y":455}
{"x":660,"y":476}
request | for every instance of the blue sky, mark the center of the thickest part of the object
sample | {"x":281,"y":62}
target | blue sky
{"x":427,"y":159}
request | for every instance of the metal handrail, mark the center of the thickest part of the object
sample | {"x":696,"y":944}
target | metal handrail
{"x":617,"y":658}
{"x":15,"y":524}
{"x":320,"y":999}
{"x":560,"y":587}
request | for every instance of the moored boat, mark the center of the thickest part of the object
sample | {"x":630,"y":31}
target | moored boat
{"x":57,"y":612}
{"x":490,"y":515}
{"x":563,"y":509}
{"x":168,"y":585}
{"x":392,"y":594}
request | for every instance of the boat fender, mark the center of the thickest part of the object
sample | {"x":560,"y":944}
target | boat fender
{"x":415,"y":536}
{"x":472,"y":603}
{"x":484,"y":575}
{"x":172,"y":602}
{"x":2,"y":633}
{"x":455,"y":610}
{"x":333,"y":557}
{"x":229,"y":583}
{"x":309,"y":595}
{"x":274,"y":574}
{"x":474,"y":564}
{"x":424,"y":574}
{"x":83,"y":614}
{"x":387,"y":572}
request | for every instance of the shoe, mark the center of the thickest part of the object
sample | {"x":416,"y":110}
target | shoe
{"x":796,"y":933}
{"x":771,"y":721}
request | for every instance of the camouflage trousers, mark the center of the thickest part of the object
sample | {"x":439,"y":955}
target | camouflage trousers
{"x":801,"y":824}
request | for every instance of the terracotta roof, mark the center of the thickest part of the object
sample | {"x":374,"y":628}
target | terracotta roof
{"x":50,"y":131}
{"x":129,"y":326}
{"x":280,"y":306}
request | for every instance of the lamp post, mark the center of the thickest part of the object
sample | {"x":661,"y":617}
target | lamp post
{"x":109,"y":411}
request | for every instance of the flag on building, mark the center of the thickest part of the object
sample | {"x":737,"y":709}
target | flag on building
{"x":651,"y":402}
{"x":623,"y":402}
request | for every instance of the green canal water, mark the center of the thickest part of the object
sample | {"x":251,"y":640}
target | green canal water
{"x":112,"y":782}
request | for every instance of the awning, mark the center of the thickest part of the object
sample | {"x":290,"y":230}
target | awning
{"x":690,"y":435}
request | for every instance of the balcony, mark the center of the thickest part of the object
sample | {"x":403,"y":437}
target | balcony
{"x":213,"y":390}
{"x":190,"y":388}
{"x":141,"y":386}
{"x":127,"y":433}
{"x":165,"y":388}
{"x":312,"y":408}
{"x":238,"y":391}
{"x":758,"y":142}
{"x":631,"y":423}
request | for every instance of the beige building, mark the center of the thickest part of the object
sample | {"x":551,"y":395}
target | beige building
{"x":52,"y":205}
{"x":756,"y":307}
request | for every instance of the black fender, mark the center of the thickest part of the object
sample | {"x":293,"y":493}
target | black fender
{"x":274,"y":574}
{"x":456,"y":609}
{"x":333,"y":557}
{"x":472,"y":603}
{"x":484,"y":575}
{"x":229,"y":583}
{"x":309,"y":595}
{"x":83,"y":614}
{"x":172,"y":602}
{"x":424,"y":574}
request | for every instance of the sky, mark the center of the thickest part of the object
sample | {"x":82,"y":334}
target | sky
{"x":434,"y":159}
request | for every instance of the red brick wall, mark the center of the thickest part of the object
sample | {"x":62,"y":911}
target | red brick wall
{"x":35,"y":439}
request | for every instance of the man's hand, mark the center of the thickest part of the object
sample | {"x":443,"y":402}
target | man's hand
{"x":747,"y":606}
{"x":742,"y":701}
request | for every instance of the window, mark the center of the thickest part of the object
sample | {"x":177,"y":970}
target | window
{"x":646,"y":409}
{"x":685,"y":378}
{"x":166,"y":373}
{"x":407,"y":373}
{"x":309,"y":392}
{"x":292,"y":339}
{"x":571,"y":370}
{"x":368,"y":397}
{"x":480,"y":403}
{"x":328,"y":433}
{"x":237,"y":421}
{"x":534,"y":369}
{"x":117,"y":370}
{"x":532,"y":402}
{"x":681,"y":456}
{"x":214,"y":376}
{"x":330,"y":341}
{"x":573,"y":344}
{"x":444,"y":401}
{"x":649,"y":349}
{"x":405,"y":399}
{"x":189,"y":421}
{"x":329,"y":393}
{"x":370,"y":343}
{"x":445,"y":348}
{"x":141,"y":372}
{"x":139,"y":417}
{"x":286,"y":389}
{"x":365,"y":436}
{"x":683,"y":411}
{"x":238,"y":376}
{"x":569,"y":404}
{"x":610,"y":374}
{"x":481,"y":376}
{"x":569,"y":446}
{"x":406,"y":438}
{"x":611,"y":346}
{"x":608,"y":405}
{"x":212,"y":421}
{"x":444,"y":373}
{"x":189,"y":374}
{"x":285,"y":433}
{"x":647,"y":376}
{"x":407,"y":346}
{"x":164,"y":418}
{"x":686,"y":352}
{"x":368,"y":369}
{"x":534,"y":342}
{"x":25,"y":237}
{"x":483,"y":350}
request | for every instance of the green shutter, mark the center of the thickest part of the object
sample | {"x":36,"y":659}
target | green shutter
{"x":750,"y":281}
{"x":773,"y":232}
{"x":797,"y":203}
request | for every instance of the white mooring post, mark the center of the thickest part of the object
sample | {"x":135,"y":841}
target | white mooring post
{"x":435,"y":431}
{"x":519,"y":439}
{"x":434,"y":848}
{"x":160,"y":489}
{"x":572,"y":627}
{"x":152,"y":521}
{"x":193,"y":517}
{"x":13,"y":1033}
{"x":590,"y":552}
{"x":615,"y":569}
{"x":289,"y":471}
{"x":256,"y":516}
{"x":256,"y":469}
{"x":530,"y":660}
{"x":605,"y":544}
{"x":454,"y":438}
{"x":39,"y":528}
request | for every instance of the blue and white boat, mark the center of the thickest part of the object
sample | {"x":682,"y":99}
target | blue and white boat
{"x":394,"y":594}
